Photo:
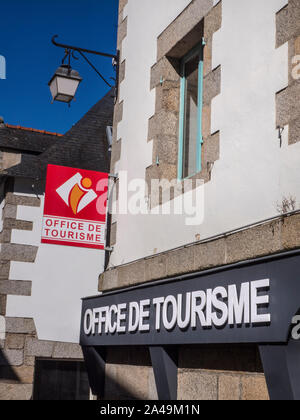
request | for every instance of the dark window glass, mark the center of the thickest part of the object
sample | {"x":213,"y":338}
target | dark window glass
{"x":190,"y":113}
{"x":60,"y":380}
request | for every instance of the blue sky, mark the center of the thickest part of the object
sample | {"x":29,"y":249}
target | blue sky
{"x":26,"y":29}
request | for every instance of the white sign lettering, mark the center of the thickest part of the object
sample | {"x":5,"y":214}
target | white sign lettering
{"x":217,"y":307}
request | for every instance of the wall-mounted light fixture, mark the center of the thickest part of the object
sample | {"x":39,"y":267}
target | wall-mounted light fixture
{"x":64,"y":84}
{"x":65,"y":81}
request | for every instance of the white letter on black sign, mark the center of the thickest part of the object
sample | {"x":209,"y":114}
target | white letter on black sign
{"x":182,"y":324}
{"x":239,"y":309}
{"x":157,"y":303}
{"x":102,"y":318}
{"x":257,"y":301}
{"x":121,"y":317}
{"x":221,"y":306}
{"x":198,"y":310}
{"x":170,"y":302}
{"x":134,"y":311}
{"x":88,"y":325}
{"x":144,"y":315}
{"x":111,"y":327}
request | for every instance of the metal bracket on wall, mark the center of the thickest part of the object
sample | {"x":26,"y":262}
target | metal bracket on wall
{"x":69,"y":52}
{"x":210,"y":166}
{"x":33,"y":187}
{"x":115,"y":177}
{"x":280,"y":131}
{"x":109,"y":249}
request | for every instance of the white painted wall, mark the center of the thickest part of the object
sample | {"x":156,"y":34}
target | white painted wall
{"x":2,"y":203}
{"x":253,"y":173}
{"x":60,"y":277}
{"x":2,"y":328}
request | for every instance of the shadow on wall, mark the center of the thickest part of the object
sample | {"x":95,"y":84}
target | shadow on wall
{"x":115,"y":391}
{"x":6,"y":371}
{"x":122,"y":380}
{"x":222,"y":358}
{"x":232,"y":358}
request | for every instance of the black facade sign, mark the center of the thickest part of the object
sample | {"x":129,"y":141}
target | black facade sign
{"x":254,"y":303}
{"x":250,"y":302}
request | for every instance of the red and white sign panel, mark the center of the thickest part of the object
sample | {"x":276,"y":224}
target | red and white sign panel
{"x":75,"y":207}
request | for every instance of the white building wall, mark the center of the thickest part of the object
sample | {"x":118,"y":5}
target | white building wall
{"x":253,"y":173}
{"x":2,"y":203}
{"x":60,"y":277}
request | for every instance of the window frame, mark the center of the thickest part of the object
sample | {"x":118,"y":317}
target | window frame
{"x":197,"y":50}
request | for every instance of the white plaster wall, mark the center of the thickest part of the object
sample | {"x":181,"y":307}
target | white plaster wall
{"x":146,"y":20}
{"x":2,"y":328}
{"x":60,"y":277}
{"x":253,"y":173}
{"x":2,"y":203}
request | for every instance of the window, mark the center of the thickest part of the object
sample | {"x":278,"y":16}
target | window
{"x":60,"y":380}
{"x":190,"y":117}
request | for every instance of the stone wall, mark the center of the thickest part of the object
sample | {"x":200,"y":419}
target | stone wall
{"x":9,"y":159}
{"x":221,"y":373}
{"x":279,"y":235}
{"x":118,"y":111}
{"x":129,"y":375}
{"x":215,"y":372}
{"x":198,"y":21}
{"x":287,"y":100}
{"x":20,"y":346}
{"x":204,"y":373}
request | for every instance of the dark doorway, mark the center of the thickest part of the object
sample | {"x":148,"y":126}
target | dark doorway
{"x":60,"y":380}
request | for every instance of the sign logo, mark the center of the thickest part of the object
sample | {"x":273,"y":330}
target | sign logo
{"x":75,"y":207}
{"x":77,"y":193}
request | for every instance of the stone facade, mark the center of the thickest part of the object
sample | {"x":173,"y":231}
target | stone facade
{"x":278,"y":235}
{"x":215,"y":372}
{"x":14,"y":252}
{"x":129,"y":375}
{"x":9,"y":159}
{"x":21,"y":188}
{"x":204,"y":372}
{"x":198,"y":21}
{"x":221,"y":373}
{"x":21,"y":346}
{"x":287,"y":100}
{"x":118,"y":111}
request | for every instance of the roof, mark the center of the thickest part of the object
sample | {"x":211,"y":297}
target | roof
{"x":32,"y":130}
{"x":26,"y":139}
{"x":84,"y":146}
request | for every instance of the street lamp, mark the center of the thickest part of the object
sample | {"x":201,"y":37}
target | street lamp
{"x":64,"y":83}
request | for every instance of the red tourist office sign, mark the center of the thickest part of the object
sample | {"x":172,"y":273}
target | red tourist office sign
{"x":75,"y":207}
